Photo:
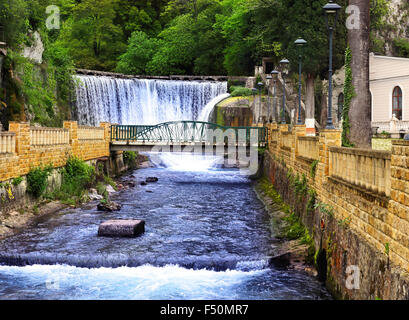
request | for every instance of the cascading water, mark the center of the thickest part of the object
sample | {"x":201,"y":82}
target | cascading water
{"x":143,"y":101}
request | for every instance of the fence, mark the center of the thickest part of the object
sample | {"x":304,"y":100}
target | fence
{"x":42,"y":136}
{"x":368,"y":169}
{"x":7,"y":142}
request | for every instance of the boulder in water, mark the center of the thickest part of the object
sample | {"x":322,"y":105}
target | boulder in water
{"x":281,"y":261}
{"x":121,"y":228}
{"x":93,"y":195}
{"x":152,"y":179}
{"x":109,"y":206}
{"x":143,"y":183}
{"x":110,"y":189}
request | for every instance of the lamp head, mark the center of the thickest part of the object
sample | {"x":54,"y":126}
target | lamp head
{"x":331,"y":13}
{"x":274,"y":74}
{"x":300,"y":42}
{"x":284,"y":66}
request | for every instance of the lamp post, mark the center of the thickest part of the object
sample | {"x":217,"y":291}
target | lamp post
{"x":260,"y":86}
{"x":268,"y":98}
{"x":274,"y":75}
{"x":331,"y":15}
{"x":254,"y":92}
{"x":284,"y":72}
{"x":299,"y":43}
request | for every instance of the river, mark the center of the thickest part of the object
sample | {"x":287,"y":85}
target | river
{"x":207,"y":237}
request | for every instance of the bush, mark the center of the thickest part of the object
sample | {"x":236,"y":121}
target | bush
{"x":77,"y":176}
{"x":130,"y":159}
{"x":37,"y":180}
{"x":240,"y":91}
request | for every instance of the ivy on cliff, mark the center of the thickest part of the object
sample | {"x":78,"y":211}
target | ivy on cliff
{"x":349,"y":93}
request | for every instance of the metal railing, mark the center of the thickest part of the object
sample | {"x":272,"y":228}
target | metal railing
{"x":189,"y":132}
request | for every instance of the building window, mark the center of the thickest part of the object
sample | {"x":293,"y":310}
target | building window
{"x":340,"y":105}
{"x":397,"y":103}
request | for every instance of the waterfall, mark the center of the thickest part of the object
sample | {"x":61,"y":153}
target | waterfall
{"x":143,"y":101}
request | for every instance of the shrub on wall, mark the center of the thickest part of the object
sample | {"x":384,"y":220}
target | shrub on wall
{"x":37,"y":180}
{"x":130,"y":159}
{"x":240,"y":91}
{"x":76,"y":175}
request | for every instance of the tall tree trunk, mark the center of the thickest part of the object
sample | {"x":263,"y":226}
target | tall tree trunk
{"x":360,"y":109}
{"x":310,"y":104}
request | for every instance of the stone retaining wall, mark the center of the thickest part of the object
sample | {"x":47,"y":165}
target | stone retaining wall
{"x":365,"y":196}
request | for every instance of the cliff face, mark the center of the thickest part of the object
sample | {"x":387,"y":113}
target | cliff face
{"x":29,"y":86}
{"x":396,"y":27}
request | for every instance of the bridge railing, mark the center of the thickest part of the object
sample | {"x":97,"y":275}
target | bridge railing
{"x":188,"y":132}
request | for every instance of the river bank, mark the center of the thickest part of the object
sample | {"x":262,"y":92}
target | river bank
{"x":293,"y":254}
{"x":14,"y":221}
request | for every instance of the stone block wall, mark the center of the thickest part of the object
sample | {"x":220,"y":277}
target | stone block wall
{"x":367,"y":192}
{"x":42,"y":146}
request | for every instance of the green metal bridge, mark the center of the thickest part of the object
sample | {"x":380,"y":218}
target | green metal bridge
{"x":185,"y":133}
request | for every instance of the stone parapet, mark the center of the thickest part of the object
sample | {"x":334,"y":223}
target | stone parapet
{"x":23,"y":147}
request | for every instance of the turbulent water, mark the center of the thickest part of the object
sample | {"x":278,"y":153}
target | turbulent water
{"x":207,"y":237}
{"x":142,"y":101}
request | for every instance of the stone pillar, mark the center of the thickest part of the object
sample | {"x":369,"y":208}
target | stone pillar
{"x":23,"y":142}
{"x":107,"y":135}
{"x":328,"y":138}
{"x":299,"y":131}
{"x":72,"y":127}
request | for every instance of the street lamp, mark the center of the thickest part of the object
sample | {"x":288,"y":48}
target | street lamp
{"x":269,"y":78}
{"x":260,"y":86}
{"x":284,"y":72}
{"x":299,"y":43}
{"x":274,"y":75}
{"x":331,"y":15}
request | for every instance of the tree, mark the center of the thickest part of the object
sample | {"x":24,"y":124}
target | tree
{"x":360,"y":109}
{"x":93,"y":39}
{"x":309,"y":24}
{"x":141,"y":50}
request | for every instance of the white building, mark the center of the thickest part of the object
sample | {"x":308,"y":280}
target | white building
{"x":389,"y":87}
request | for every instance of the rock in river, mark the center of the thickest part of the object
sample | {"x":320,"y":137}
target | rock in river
{"x":109,"y":206}
{"x":152,"y":179}
{"x":121,"y":228}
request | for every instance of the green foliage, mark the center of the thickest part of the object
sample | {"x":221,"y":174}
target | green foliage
{"x":402,"y":47}
{"x":14,"y":17}
{"x":313,"y":168}
{"x":237,"y":91}
{"x":76,"y":177}
{"x":344,"y":222}
{"x":299,"y":184}
{"x":349,"y":93}
{"x":325,"y":208}
{"x":108,"y":180}
{"x":140,"y":51}
{"x":16,"y":181}
{"x":294,"y":228}
{"x":37,"y":180}
{"x":387,"y":248}
{"x":312,"y":196}
{"x":130,"y":159}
